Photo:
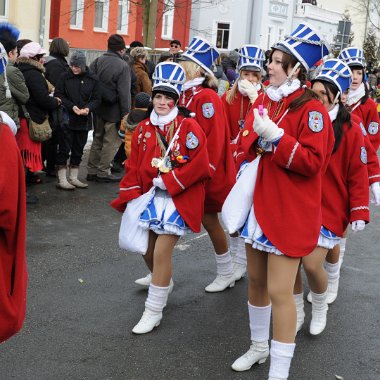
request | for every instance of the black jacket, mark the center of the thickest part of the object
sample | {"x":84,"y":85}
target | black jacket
{"x":39,"y":103}
{"x":78,"y":90}
{"x":55,"y":66}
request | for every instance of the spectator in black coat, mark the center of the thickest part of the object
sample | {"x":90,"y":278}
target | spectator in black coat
{"x":79,"y":91}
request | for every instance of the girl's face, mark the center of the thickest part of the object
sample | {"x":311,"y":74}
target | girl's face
{"x":76,"y":70}
{"x":277,"y":75}
{"x":323,"y":94}
{"x":163,"y":104}
{"x":357,"y":78}
{"x":251,"y":76}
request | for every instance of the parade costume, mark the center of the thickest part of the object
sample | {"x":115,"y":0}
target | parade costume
{"x":292,"y":148}
{"x":168,"y":152}
{"x":208,"y":111}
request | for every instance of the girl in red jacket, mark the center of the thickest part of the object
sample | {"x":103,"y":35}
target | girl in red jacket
{"x":177,"y":205}
{"x":344,"y":188}
{"x":292,"y":141}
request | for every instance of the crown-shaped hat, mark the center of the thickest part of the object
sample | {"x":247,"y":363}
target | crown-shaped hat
{"x":337,"y":72}
{"x":353,"y":56}
{"x":168,"y":76}
{"x":251,"y":57}
{"x":305,"y":44}
{"x":202,"y":53}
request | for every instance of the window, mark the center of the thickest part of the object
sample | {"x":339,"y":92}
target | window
{"x":3,"y":8}
{"x":281,"y":34}
{"x":168,"y":20}
{"x":270,"y":37}
{"x":101,"y":15}
{"x":222,"y":35}
{"x":122,"y":21}
{"x":76,"y":19}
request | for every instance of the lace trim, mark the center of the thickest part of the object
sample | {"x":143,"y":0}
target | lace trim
{"x":212,"y":167}
{"x":374,"y":176}
{"x":129,"y":188}
{"x":292,"y":155}
{"x":177,"y":180}
{"x":360,"y":208}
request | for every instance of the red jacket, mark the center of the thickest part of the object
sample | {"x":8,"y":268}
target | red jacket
{"x":184,"y":183}
{"x":368,"y":113}
{"x":13,"y":271}
{"x":209,"y":113}
{"x":345,"y":196}
{"x":372,"y":159}
{"x":288,"y":192}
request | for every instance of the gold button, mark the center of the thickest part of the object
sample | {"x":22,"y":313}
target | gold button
{"x":245,"y":133}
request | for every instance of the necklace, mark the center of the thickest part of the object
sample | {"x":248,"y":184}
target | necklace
{"x":274,"y":113}
{"x":241,"y":119}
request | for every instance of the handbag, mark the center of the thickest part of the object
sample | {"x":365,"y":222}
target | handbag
{"x":38,"y":132}
{"x":238,"y":203}
{"x":132,"y":236}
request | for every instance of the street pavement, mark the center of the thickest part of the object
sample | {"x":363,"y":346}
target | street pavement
{"x":83,"y":304}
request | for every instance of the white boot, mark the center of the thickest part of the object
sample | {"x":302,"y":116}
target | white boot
{"x":318,"y":313}
{"x":62,"y":180}
{"x":281,"y":355}
{"x":149,"y":320}
{"x":257,"y":353}
{"x":73,"y":178}
{"x":225,"y":275}
{"x":298,"y":299}
{"x":342,"y":250}
{"x":145,"y":282}
{"x":239,"y":257}
{"x":332,"y":290}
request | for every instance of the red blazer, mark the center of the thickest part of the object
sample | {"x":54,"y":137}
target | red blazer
{"x":13,"y":271}
{"x":368,"y":113}
{"x":288,"y":192}
{"x":185,"y":184}
{"x":345,"y":196}
{"x":209,"y":113}
{"x":372,"y":159}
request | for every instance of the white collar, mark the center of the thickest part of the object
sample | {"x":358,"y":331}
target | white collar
{"x":277,"y":93}
{"x":355,"y":95}
{"x":161,"y":121}
{"x":334,"y":112}
{"x":193,"y":83}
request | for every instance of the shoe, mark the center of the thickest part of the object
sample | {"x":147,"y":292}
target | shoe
{"x":116,"y":167}
{"x":73,"y":178}
{"x":257,"y":353}
{"x":149,"y":320}
{"x":145,"y":282}
{"x":62,"y":183}
{"x":332,"y":291}
{"x":239,"y":271}
{"x":318,"y":314}
{"x":221,"y":283}
{"x":91,"y":177}
{"x":108,"y":178}
{"x":31,"y":199}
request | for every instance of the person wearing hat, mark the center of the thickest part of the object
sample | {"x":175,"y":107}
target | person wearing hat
{"x":200,"y":98}
{"x":237,"y":103}
{"x":288,"y":139}
{"x":143,"y":83}
{"x":79,"y":92}
{"x":175,"y":50}
{"x":114,"y":74}
{"x":344,"y":189}
{"x":169,"y":152}
{"x":358,"y":98}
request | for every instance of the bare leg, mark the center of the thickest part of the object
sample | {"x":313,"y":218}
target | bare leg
{"x":315,"y":271}
{"x":215,"y":230}
{"x":148,"y":257}
{"x":298,"y":286}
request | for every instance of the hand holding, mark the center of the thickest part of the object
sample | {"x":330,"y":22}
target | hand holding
{"x":358,"y":225}
{"x":265,"y":127}
{"x":77,"y":110}
{"x":249,"y":89}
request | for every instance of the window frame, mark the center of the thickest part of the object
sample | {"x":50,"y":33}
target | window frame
{"x":79,"y":15}
{"x":105,"y":17}
{"x":169,"y":15}
{"x":223,"y":32}
{"x":4,"y":17}
{"x":124,"y":17}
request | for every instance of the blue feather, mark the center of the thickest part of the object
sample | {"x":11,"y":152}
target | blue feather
{"x":9,"y":31}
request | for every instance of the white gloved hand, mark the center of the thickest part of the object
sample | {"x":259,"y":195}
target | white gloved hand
{"x":375,"y":190}
{"x":158,"y":182}
{"x":265,"y":127}
{"x":358,"y":225}
{"x":249,"y":89}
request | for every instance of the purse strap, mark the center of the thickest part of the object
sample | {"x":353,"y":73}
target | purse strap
{"x":25,"y":111}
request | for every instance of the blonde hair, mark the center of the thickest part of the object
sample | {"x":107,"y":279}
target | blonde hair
{"x":193,"y":70}
{"x":231,"y":94}
{"x":138,"y":52}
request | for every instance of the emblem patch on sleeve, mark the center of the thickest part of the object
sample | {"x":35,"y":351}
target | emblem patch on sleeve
{"x":191,"y":141}
{"x":373,"y":128}
{"x":315,"y":121}
{"x":363,"y":155}
{"x":363,"y":129}
{"x":208,"y":110}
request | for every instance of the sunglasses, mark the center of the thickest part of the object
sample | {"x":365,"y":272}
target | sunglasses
{"x":174,"y":46}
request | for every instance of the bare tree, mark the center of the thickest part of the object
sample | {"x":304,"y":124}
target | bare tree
{"x":370,"y":9}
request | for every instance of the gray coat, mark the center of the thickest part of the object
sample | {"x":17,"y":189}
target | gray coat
{"x":19,"y":92}
{"x":113,"y":71}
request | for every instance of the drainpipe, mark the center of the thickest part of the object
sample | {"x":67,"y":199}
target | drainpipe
{"x":41,"y":36}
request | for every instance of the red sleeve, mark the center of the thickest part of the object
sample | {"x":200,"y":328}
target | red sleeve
{"x":372,"y":123}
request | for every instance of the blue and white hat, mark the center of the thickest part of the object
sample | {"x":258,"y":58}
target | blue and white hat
{"x":337,"y":72}
{"x":168,"y":76}
{"x":305,"y":44}
{"x":251,"y":57}
{"x":202,"y":53}
{"x":353,"y":56}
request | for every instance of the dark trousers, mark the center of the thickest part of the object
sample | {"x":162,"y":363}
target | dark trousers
{"x":49,"y":151}
{"x":71,"y":141}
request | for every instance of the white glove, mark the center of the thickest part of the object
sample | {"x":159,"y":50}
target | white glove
{"x":249,"y":88}
{"x":375,"y":190}
{"x":158,"y":182}
{"x":358,"y":225}
{"x":265,"y":127}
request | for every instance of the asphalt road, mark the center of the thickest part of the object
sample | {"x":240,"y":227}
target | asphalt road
{"x":83,"y":303}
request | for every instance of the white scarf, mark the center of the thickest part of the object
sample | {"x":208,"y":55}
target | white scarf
{"x":243,"y":92}
{"x":161,"y":121}
{"x":334,"y":112}
{"x":277,"y":93}
{"x":193,"y":83}
{"x":355,"y":95}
